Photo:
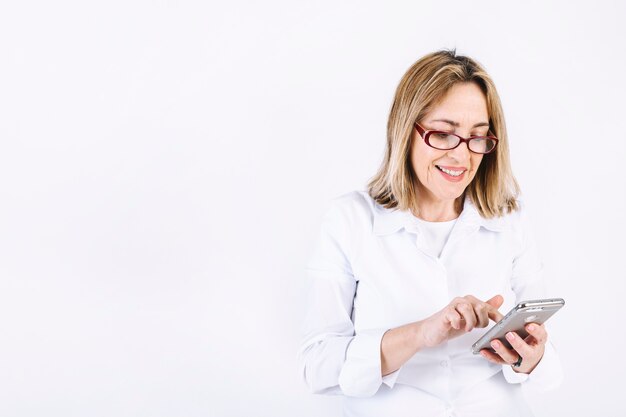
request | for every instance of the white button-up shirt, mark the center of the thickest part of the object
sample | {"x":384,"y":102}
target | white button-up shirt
{"x":371,"y":271}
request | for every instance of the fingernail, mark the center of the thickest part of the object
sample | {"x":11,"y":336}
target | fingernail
{"x":531,"y":327}
{"x":510,"y":336}
{"x":495,"y":344}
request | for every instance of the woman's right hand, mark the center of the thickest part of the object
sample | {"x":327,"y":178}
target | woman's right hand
{"x":462,"y":315}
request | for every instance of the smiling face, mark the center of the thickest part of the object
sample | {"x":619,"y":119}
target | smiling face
{"x":463,"y":111}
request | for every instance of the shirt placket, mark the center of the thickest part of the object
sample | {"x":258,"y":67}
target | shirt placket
{"x":441,"y":280}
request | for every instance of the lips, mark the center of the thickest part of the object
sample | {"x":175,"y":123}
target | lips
{"x":452,"y":174}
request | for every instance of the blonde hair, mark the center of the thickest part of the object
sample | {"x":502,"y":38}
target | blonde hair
{"x":494,"y":189}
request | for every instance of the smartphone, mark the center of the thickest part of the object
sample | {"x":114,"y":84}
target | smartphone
{"x":533,"y":311}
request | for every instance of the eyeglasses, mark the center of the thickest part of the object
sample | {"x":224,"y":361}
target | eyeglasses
{"x":445,"y":141}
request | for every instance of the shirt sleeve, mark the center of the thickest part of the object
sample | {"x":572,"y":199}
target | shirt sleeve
{"x":527,"y":283}
{"x":334,"y":359}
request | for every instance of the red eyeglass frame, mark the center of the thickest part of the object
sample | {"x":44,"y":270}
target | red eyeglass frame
{"x":425,"y":134}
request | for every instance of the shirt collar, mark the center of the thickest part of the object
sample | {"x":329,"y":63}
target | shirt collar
{"x":387,"y":221}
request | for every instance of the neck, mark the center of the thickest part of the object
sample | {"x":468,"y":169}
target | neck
{"x":431,"y":209}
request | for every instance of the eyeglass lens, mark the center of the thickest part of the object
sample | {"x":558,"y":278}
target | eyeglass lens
{"x":444,"y":141}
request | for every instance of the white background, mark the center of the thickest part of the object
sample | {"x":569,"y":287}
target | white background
{"x":164,"y":166}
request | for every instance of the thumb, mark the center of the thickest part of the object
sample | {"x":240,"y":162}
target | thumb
{"x":495,"y":302}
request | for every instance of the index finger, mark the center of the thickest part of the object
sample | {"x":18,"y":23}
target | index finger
{"x":494,"y":314}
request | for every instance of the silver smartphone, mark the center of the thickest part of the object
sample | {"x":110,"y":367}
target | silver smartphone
{"x":533,"y":311}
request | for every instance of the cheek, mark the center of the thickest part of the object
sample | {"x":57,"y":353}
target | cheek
{"x":421,"y":159}
{"x":476,"y":160}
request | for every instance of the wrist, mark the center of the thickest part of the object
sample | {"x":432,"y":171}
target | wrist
{"x":418,"y":335}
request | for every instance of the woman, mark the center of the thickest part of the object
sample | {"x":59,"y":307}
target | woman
{"x":407,"y":276}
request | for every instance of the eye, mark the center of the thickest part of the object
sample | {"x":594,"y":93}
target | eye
{"x":440,"y":135}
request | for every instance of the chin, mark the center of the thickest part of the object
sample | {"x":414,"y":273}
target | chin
{"x":454,"y":193}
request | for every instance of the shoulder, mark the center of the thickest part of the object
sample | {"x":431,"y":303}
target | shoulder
{"x":358,"y":201}
{"x":347,"y":222}
{"x":507,"y":219}
{"x":519,"y":222}
{"x":520,"y":216}
{"x":352,"y":211}
{"x":515,"y":223}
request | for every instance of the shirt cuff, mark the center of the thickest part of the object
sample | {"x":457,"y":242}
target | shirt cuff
{"x":513,"y":377}
{"x":546,"y":375}
{"x":361,"y":373}
{"x":390,"y":379}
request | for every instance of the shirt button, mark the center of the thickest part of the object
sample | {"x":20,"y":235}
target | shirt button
{"x":444,"y":364}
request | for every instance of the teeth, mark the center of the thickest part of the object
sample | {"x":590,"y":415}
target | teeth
{"x":449,"y":172}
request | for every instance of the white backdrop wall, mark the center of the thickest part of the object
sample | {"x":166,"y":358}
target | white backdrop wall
{"x":164,"y":166}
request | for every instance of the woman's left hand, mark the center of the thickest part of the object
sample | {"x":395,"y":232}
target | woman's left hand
{"x":530,"y":349}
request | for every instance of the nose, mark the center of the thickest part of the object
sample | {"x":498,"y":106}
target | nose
{"x":461,"y":153}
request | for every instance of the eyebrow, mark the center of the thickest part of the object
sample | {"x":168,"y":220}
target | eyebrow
{"x":457,"y":124}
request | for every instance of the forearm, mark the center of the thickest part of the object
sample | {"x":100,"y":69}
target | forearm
{"x":398,"y":346}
